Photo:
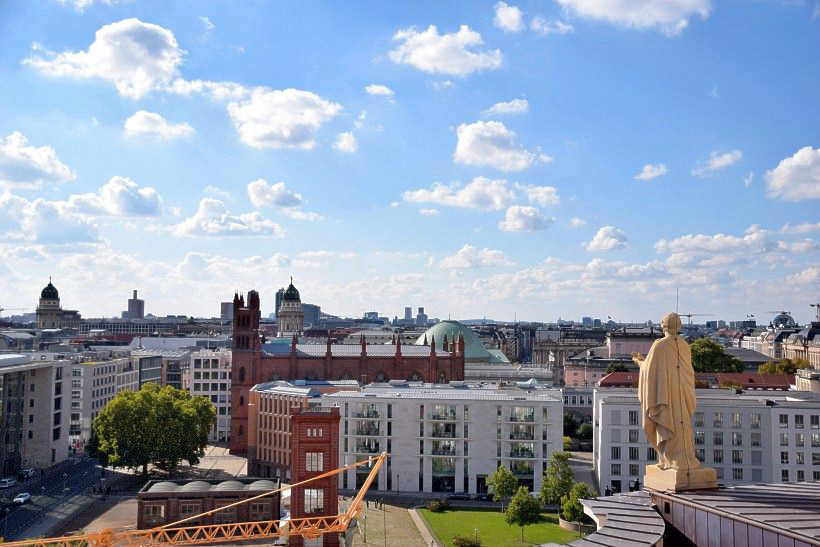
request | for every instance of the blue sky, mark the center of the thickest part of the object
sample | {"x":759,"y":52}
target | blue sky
{"x":538,"y":159}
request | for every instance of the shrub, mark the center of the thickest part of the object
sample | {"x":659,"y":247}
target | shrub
{"x":466,"y":541}
{"x":436,"y":506}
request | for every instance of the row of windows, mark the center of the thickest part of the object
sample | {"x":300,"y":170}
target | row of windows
{"x":224,"y":375}
{"x":213,"y":387}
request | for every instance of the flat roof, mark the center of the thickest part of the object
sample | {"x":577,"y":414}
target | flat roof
{"x":456,"y":391}
{"x":350,"y":350}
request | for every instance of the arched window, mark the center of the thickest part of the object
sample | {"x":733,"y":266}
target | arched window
{"x":241,"y":374}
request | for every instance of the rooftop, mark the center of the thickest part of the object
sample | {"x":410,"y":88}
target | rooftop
{"x":350,"y":350}
{"x":201,"y":486}
{"x":453,"y":391}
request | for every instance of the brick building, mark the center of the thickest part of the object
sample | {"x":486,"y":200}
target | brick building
{"x":164,"y":502}
{"x":315,"y":450}
{"x":256,"y":362}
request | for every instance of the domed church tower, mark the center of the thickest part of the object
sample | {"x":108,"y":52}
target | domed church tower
{"x":290,"y":316}
{"x":48,"y":310}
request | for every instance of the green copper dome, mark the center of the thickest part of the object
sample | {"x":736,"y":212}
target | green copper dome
{"x":474,"y":350}
{"x":50,"y":292}
{"x":291,"y":294}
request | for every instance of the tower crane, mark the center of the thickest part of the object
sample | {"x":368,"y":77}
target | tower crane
{"x":2,"y":309}
{"x":177,"y":533}
{"x":691,"y":315}
{"x":816,"y":310}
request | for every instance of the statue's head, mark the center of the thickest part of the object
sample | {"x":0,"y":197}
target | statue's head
{"x":671,"y":323}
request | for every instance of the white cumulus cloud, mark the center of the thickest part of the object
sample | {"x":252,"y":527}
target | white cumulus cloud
{"x":481,"y":193}
{"x":515,"y":106}
{"x":136,"y":57}
{"x":346,"y":142}
{"x":144,"y":123}
{"x":429,"y":212}
{"x":544,"y":196}
{"x":577,"y":222}
{"x":608,"y":238}
{"x":281,"y":118}
{"x":651,"y":171}
{"x":543,"y":26}
{"x":508,"y":18}
{"x":120,"y":197}
{"x":212,"y":219}
{"x":25,"y":166}
{"x":491,"y":143}
{"x":473,"y":257}
{"x":523,"y":218}
{"x":717,"y":162}
{"x":452,"y":54}
{"x":263,"y":194}
{"x":668,"y":16}
{"x":379,"y":90}
{"x":804,"y":228}
{"x":797,"y":177}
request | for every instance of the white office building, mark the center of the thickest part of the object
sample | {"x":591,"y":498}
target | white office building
{"x":94,"y":382}
{"x":748,"y":438}
{"x":210,"y":376}
{"x":447,"y":437}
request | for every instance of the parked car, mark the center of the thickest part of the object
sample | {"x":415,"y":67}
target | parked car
{"x":462,"y":497}
{"x":484,"y":496}
{"x":22,"y":498}
{"x":8,"y":482}
{"x":26,"y":474}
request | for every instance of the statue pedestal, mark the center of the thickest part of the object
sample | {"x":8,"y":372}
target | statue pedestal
{"x":674,"y":480}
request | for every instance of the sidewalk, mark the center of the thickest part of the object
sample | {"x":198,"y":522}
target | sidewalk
{"x":57,"y":515}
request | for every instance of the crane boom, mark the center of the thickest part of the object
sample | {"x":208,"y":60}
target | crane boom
{"x":171,"y":534}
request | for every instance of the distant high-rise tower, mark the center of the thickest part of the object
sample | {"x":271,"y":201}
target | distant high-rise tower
{"x":226,"y":311}
{"x":408,"y":313}
{"x":421,"y":318}
{"x":279,"y":294}
{"x":136,"y":307}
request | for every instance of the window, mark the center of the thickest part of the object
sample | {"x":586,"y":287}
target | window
{"x":754,"y":421}
{"x":717,"y":438}
{"x":189,"y":509}
{"x":651,"y":454}
{"x":799,"y":440}
{"x":633,"y":417}
{"x":700,"y":454}
{"x":815,"y":439}
{"x":756,"y":457}
{"x":633,"y":436}
{"x":798,"y":421}
{"x":261,"y":510}
{"x":700,"y":437}
{"x":314,"y":461}
{"x":737,"y":474}
{"x":736,"y":421}
{"x":799,"y":458}
{"x":784,"y":475}
{"x":801,"y":475}
{"x":314,"y":500}
{"x":737,"y":439}
{"x":755,"y":439}
{"x":784,"y":458}
{"x":633,"y":469}
{"x":784,"y":420}
{"x":698,"y":419}
{"x":815,"y":421}
{"x":225,"y":515}
{"x":784,"y":439}
{"x":154,"y":514}
{"x":615,"y":452}
{"x":718,"y":456}
{"x":615,"y":469}
{"x":634,"y":453}
{"x":737,"y":456}
{"x":718,"y":421}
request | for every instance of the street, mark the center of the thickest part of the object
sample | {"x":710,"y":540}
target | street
{"x":82,"y":474}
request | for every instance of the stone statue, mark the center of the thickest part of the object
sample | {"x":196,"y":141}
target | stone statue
{"x":666,"y":390}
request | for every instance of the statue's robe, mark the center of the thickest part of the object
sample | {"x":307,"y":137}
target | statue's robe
{"x":666,"y":390}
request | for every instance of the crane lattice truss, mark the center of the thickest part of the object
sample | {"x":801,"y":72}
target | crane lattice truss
{"x":173,"y":534}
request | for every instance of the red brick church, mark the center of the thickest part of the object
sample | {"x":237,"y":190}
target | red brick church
{"x":255,"y":362}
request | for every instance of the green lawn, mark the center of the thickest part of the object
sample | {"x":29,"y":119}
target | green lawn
{"x":492,"y":529}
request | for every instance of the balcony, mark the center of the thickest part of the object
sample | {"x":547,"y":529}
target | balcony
{"x":522,"y":453}
{"x":526,"y":418}
{"x":449,"y":416}
{"x":443,"y":452}
{"x":371,"y":431}
{"x":522,"y":436}
{"x":367,"y":449}
{"x":443,"y":434}
{"x":366,"y":414}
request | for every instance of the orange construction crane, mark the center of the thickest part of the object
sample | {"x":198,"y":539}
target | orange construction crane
{"x":173,"y":534}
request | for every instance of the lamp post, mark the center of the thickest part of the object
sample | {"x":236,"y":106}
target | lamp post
{"x":384,"y":522}
{"x":65,"y":476}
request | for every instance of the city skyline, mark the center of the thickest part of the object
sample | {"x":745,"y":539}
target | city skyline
{"x":519,"y":159}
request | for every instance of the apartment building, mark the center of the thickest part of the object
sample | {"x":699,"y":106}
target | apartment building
{"x":748,"y":438}
{"x":32,"y":418}
{"x":447,"y":437}
{"x":209,"y":375}
{"x":95,"y":380}
{"x":269,"y":409}
{"x":173,"y":362}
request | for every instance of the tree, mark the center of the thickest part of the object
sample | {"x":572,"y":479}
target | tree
{"x":503,"y":484}
{"x":783,"y":366}
{"x":523,"y":510}
{"x":153,"y":426}
{"x":570,"y":425}
{"x":707,"y":356}
{"x":557,"y":480}
{"x":571,"y":508}
{"x":617,"y":367}
{"x":584,"y":431}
